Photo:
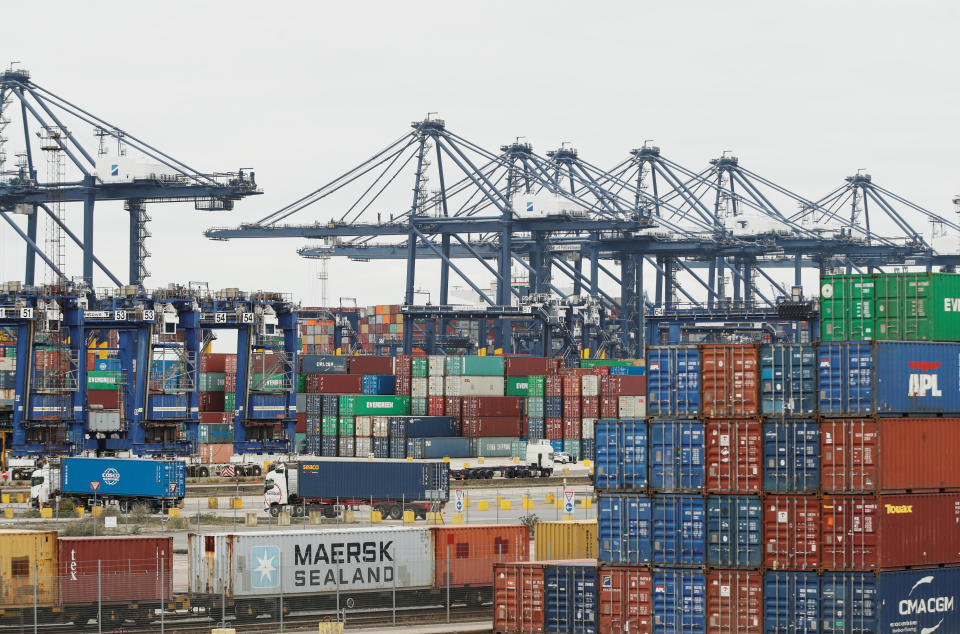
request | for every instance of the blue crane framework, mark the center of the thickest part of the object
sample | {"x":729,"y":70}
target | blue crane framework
{"x":49,"y":327}
{"x":721,"y":227}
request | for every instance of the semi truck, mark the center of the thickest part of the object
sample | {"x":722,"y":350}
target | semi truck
{"x":334,"y":484}
{"x":538,"y":463}
{"x":124,"y":481}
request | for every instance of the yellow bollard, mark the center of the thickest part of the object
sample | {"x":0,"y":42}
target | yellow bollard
{"x":46,"y":512}
{"x":466,"y":465}
{"x":434,"y":518}
{"x":459,"y":518}
{"x":250,"y":519}
{"x":480,"y":460}
{"x":586,"y":463}
{"x":528,"y":505}
{"x":80,"y":511}
{"x":504,"y":505}
{"x":315,"y":518}
{"x":549,"y":498}
{"x":409,"y":517}
{"x":376,"y":517}
{"x":446,"y":458}
{"x":566,"y":471}
{"x":96,"y":511}
{"x":409,"y":458}
{"x":8,"y":512}
{"x":21,"y":498}
{"x":283,"y":519}
{"x":558,"y":503}
{"x":330,"y":627}
{"x":349,"y":516}
{"x":5,"y":498}
{"x":568,"y":518}
{"x":466,"y":501}
{"x":483,"y":505}
{"x":173,"y":512}
{"x":586,"y":503}
{"x":223,"y":630}
{"x":516,"y":460}
{"x":213,"y":503}
{"x":236,"y":503}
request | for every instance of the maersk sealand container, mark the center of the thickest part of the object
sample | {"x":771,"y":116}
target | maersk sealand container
{"x":888,"y":378}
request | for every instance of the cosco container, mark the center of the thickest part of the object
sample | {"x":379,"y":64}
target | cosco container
{"x":679,"y":601}
{"x":123,"y":477}
{"x":791,"y":532}
{"x":570,"y":597}
{"x":424,"y":448}
{"x":621,"y":460}
{"x":565,"y":540}
{"x":624,"y":528}
{"x":676,"y":456}
{"x":679,"y":530}
{"x":363,"y":479}
{"x":788,"y":374}
{"x":305,"y":562}
{"x":730,"y":380}
{"x":734,"y":456}
{"x":115,"y":569}
{"x":734,"y":531}
{"x":885,"y":377}
{"x":890,"y":454}
{"x":673,"y":381}
{"x":518,"y":597}
{"x":624,"y":599}
{"x":791,"y":602}
{"x":734,"y":602}
{"x":28,"y":568}
{"x":791,"y":456}
{"x":422,"y":426}
{"x":465,"y":555}
{"x":323,"y":364}
{"x":474,"y":386}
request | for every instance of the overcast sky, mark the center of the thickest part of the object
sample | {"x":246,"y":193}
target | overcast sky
{"x":803,"y":93}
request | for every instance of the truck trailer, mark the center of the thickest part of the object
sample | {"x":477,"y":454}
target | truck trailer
{"x":126,"y":481}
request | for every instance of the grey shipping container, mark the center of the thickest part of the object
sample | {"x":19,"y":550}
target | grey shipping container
{"x":492,"y":447}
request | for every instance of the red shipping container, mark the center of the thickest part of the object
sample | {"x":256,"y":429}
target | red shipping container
{"x":578,"y":372}
{"x":571,"y":428}
{"x":729,"y":380}
{"x":211,"y":401}
{"x":623,"y":385}
{"x":553,"y":385}
{"x":435,"y":406}
{"x":553,"y":428}
{"x":334,"y":383}
{"x":527,"y":366}
{"x":403,"y":386}
{"x":571,"y":386}
{"x":609,"y":406}
{"x":230,"y":383}
{"x":600,"y":370}
{"x":624,"y":600}
{"x":301,"y":423}
{"x":91,"y":360}
{"x":218,"y":362}
{"x":107,"y":399}
{"x":791,"y":532}
{"x":590,"y":407}
{"x":734,"y":602}
{"x":453,"y":406}
{"x":466,"y":554}
{"x":868,"y":532}
{"x":890,"y":454}
{"x":571,"y":407}
{"x":129,"y":569}
{"x":489,"y":426}
{"x":734,"y":453}
{"x":216,"y":453}
{"x":492,"y":406}
{"x":402,"y":365}
{"x":370,"y":365}
{"x":219,"y":418}
{"x":518,"y":597}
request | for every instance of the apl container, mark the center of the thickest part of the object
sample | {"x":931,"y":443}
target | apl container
{"x":791,"y":456}
{"x":621,"y":460}
{"x":730,"y":380}
{"x":734,"y":531}
{"x":518,"y":597}
{"x":676,"y":455}
{"x":734,"y":456}
{"x":679,"y":601}
{"x":624,"y":599}
{"x":673,"y":380}
{"x":791,"y":602}
{"x":890,"y":454}
{"x":624,"y":528}
{"x":791,"y":532}
{"x":734,"y":602}
{"x":788,"y":374}
{"x":130,"y":569}
{"x":570,"y":596}
{"x":679,"y":530}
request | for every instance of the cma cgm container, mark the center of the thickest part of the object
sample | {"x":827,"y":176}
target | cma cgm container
{"x":730,"y":380}
{"x":679,"y":601}
{"x":885,"y":377}
{"x":734,"y":602}
{"x":679,"y":530}
{"x":734,"y":531}
{"x":129,"y":568}
{"x":676,"y":455}
{"x":788,"y":375}
{"x":791,"y":456}
{"x":621,"y":455}
{"x":570,"y":597}
{"x":734,"y":456}
{"x":867,"y":532}
{"x":323,"y":364}
{"x":889,"y":454}
{"x":624,"y":528}
{"x":518,"y":597}
{"x":673,"y":380}
{"x":624,"y":600}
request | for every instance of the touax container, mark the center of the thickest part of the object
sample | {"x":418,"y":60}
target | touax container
{"x":888,"y":378}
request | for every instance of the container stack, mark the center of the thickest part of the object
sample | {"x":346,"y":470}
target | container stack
{"x":217,"y":386}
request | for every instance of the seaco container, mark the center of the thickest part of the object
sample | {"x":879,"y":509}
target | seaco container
{"x":570,"y":597}
{"x":788,"y":375}
{"x":734,"y":531}
{"x":310,"y":561}
{"x":129,"y":569}
{"x":791,"y":456}
{"x":734,"y":602}
{"x":791,"y":532}
{"x":621,"y":460}
{"x":465,"y":554}
{"x":565,"y":540}
{"x":676,"y":455}
{"x":886,"y":377}
{"x":624,"y":528}
{"x":867,"y":532}
{"x":889,"y":454}
{"x":123,"y":477}
{"x":791,"y":602}
{"x":624,"y":599}
{"x":673,"y":381}
{"x":679,"y":530}
{"x":382,"y":479}
{"x":518,"y":597}
{"x":679,"y":601}
{"x":734,"y":456}
{"x":730,"y":380}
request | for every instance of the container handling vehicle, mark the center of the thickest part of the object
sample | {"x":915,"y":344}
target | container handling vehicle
{"x":538,"y":463}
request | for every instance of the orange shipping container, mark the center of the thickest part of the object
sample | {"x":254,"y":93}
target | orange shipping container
{"x":518,"y":597}
{"x":730,"y":380}
{"x":466,"y":553}
{"x":734,"y":452}
{"x":624,"y":600}
{"x":791,"y":532}
{"x":215,"y":454}
{"x":734,"y":601}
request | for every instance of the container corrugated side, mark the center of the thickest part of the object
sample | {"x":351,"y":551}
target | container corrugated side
{"x":310,"y":562}
{"x":919,"y":601}
{"x":734,"y":531}
{"x":361,"y":479}
{"x":565,"y":540}
{"x":730,"y":379}
{"x":791,"y":456}
{"x":127,"y":477}
{"x":518,"y":597}
{"x":129,"y":568}
{"x":679,"y":530}
{"x":788,"y":375}
{"x":20,"y":552}
{"x":734,"y":456}
{"x":791,"y":602}
{"x":673,"y":381}
{"x":791,"y":532}
{"x":465,"y":554}
{"x":570,"y":597}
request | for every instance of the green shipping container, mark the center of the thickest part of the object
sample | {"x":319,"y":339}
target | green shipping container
{"x":266,"y":382}
{"x":347,"y":425}
{"x":419,"y":366}
{"x":482,"y":366}
{"x":495,"y":447}
{"x":518,"y":449}
{"x":847,"y":307}
{"x":518,"y":386}
{"x":329,"y":425}
{"x":453,"y":365}
{"x":572,"y":447}
{"x":301,"y":383}
{"x":535,"y":406}
{"x":102,"y":380}
{"x":536,"y":386}
{"x":230,"y":401}
{"x":418,"y":407}
{"x":212,"y":381}
{"x":374,"y":405}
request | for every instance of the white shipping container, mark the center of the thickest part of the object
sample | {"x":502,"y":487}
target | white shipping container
{"x":435,"y":385}
{"x":437,"y":365}
{"x":363,"y":426}
{"x":475,"y":386}
{"x":586,"y":428}
{"x":8,"y":363}
{"x":100,"y":421}
{"x":363,"y":447}
{"x":346,"y":446}
{"x":318,"y":561}
{"x":418,"y":387}
{"x":632,"y":407}
{"x":590,"y":385}
{"x":381,"y":427}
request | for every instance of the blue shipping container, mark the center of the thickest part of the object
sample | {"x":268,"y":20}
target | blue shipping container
{"x":791,"y":456}
{"x":791,"y":602}
{"x":330,"y":447}
{"x":312,"y":404}
{"x":331,"y":405}
{"x":556,"y":444}
{"x":381,"y":447}
{"x":673,"y":381}
{"x":536,"y":428}
{"x":570,"y":598}
{"x":679,"y":529}
{"x":398,"y":448}
{"x":161,"y":406}
{"x":588,"y":449}
{"x":50,"y":406}
{"x":442,"y":447}
{"x":123,"y":477}
{"x":553,"y":407}
{"x":734,"y":531}
{"x":919,"y":601}
{"x":108,"y":365}
{"x":361,"y":479}
{"x":323,"y":364}
{"x":788,"y":374}
{"x":848,"y":603}
{"x":628,"y":370}
{"x":215,"y":434}
{"x":623,"y":529}
{"x":621,"y":461}
{"x":679,"y":602}
{"x":422,"y":426}
{"x":267,"y":406}
{"x":676,"y":456}
{"x":379,"y":384}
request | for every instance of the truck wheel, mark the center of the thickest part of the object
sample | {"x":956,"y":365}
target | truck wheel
{"x":204,"y":472}
{"x":274,"y":510}
{"x":396,"y":513}
{"x":255,"y":471}
{"x":382,"y":509}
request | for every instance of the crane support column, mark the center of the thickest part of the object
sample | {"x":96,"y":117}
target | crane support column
{"x":31,"y":259}
{"x":88,"y":201}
